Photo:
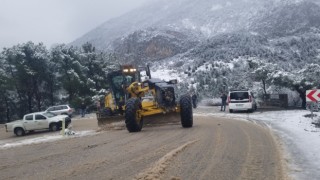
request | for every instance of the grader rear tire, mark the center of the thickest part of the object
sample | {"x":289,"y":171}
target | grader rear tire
{"x":133,"y":121}
{"x":186,"y":113}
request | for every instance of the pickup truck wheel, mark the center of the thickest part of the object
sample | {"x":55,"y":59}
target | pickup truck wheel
{"x":67,"y":124}
{"x":54,"y":127}
{"x":19,"y":131}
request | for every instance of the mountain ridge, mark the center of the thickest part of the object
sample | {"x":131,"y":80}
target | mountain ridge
{"x":163,"y":29}
{"x":203,"y":17}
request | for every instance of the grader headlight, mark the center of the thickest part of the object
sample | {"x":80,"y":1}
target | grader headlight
{"x":133,"y":70}
{"x":125,"y":70}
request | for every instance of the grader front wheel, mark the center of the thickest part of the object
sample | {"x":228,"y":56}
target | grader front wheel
{"x":133,"y":120}
{"x":186,"y":113}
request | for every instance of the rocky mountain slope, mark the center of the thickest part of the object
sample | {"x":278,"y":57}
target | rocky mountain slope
{"x":163,"y":28}
{"x":208,"y":42}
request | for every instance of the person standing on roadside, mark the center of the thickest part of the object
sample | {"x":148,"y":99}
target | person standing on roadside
{"x":194,"y":100}
{"x":98,"y":105}
{"x":83,"y":109}
{"x":223,"y":101}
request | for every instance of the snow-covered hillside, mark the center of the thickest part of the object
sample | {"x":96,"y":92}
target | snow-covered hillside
{"x":211,"y":30}
{"x":201,"y":17}
{"x":209,"y":44}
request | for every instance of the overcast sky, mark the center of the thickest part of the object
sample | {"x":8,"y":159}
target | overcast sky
{"x":56,"y":21}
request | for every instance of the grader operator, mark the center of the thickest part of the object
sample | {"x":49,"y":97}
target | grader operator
{"x":127,"y":97}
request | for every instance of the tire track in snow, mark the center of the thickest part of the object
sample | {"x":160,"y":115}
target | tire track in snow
{"x":159,"y":167}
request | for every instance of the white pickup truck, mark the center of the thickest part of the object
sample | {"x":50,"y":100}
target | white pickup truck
{"x":37,"y":121}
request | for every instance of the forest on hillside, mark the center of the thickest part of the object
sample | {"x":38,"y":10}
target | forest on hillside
{"x":33,"y":77}
{"x":244,"y":60}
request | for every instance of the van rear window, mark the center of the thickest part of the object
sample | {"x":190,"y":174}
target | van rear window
{"x":239,"y":95}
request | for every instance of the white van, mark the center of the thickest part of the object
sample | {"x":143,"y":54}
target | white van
{"x":241,"y":100}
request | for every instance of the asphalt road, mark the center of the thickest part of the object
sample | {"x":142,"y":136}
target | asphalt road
{"x":214,"y":148}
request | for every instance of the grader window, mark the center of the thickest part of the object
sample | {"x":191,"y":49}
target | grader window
{"x":129,"y":80}
{"x":117,"y":81}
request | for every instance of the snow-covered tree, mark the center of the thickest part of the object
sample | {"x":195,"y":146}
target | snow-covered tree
{"x":5,"y":88}
{"x":260,"y":72}
{"x":300,"y":80}
{"x":95,"y":68}
{"x":27,"y":67}
{"x":68,"y":70}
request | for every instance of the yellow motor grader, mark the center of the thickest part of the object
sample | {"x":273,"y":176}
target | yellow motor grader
{"x":149,"y":98}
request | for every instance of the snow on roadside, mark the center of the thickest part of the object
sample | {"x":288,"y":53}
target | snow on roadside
{"x":300,"y":137}
{"x":42,"y":139}
{"x":166,"y":74}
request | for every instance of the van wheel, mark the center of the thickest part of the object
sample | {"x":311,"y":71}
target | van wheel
{"x":230,"y":111}
{"x":19,"y":132}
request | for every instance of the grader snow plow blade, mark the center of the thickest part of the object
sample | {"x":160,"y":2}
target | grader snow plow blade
{"x":161,"y":119}
{"x":103,"y":120}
